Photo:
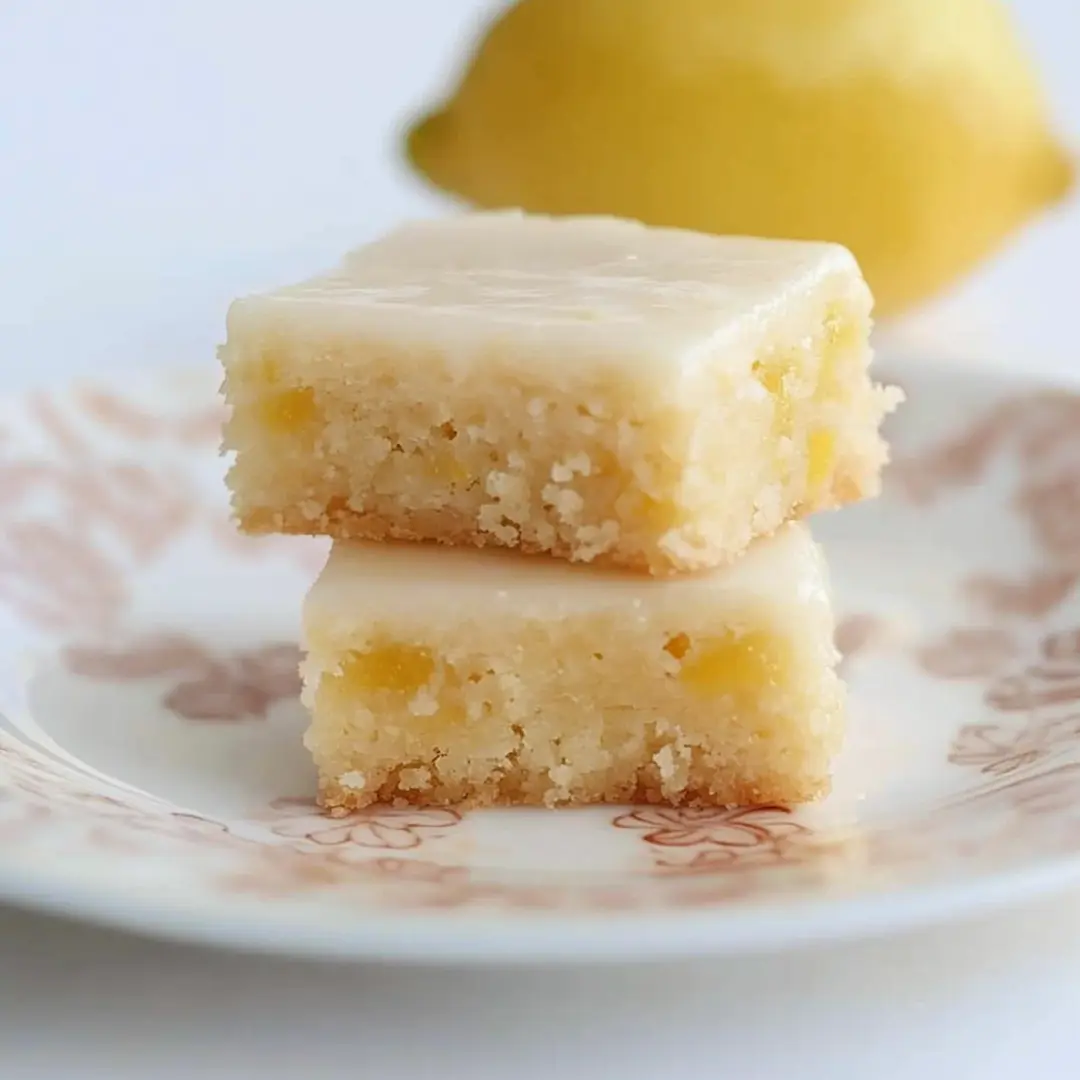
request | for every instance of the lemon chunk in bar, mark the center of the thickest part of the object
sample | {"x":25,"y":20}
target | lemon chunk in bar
{"x":588,"y":387}
{"x":454,"y":676}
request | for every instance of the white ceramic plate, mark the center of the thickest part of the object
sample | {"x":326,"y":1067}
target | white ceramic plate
{"x":152,"y":777}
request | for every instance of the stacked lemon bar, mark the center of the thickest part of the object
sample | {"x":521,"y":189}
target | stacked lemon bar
{"x":564,"y":463}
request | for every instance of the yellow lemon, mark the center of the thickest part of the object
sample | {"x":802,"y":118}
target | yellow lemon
{"x":913,"y":131}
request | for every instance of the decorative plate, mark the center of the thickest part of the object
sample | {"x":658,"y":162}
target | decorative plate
{"x":152,"y":775}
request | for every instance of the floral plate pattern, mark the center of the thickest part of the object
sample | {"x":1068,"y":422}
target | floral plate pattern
{"x":152,"y":777}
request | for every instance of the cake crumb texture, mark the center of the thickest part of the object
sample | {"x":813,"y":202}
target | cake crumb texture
{"x":657,"y":399}
{"x":716,"y":690}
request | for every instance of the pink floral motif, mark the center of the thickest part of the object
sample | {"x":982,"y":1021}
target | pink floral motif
{"x":996,"y":751}
{"x":722,"y":837}
{"x":129,"y":832}
{"x":956,"y":463}
{"x":1042,"y":427}
{"x":284,"y":872}
{"x":1049,"y":792}
{"x":1052,"y":505}
{"x":123,"y":417}
{"x":795,"y":851}
{"x":55,"y":580}
{"x":466,"y":893}
{"x":60,"y":431}
{"x":1063,"y":646}
{"x":114,"y":821}
{"x":968,"y":653}
{"x":142,"y":507}
{"x":419,"y":871}
{"x":1043,"y":432}
{"x":407,"y":883}
{"x":44,"y":790}
{"x":70,"y":519}
{"x":858,"y":633}
{"x":32,"y":774}
{"x":146,"y":508}
{"x":384,"y":827}
{"x":153,"y":655}
{"x":1032,"y":598}
{"x":1054,"y":680}
{"x":1044,"y":721}
{"x":1023,"y":693}
{"x":206,"y":687}
{"x":701,"y":886}
{"x":242,"y":686}
{"x":200,"y":426}
{"x":131,"y":421}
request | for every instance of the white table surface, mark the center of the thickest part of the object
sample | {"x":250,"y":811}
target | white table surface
{"x":156,"y":159}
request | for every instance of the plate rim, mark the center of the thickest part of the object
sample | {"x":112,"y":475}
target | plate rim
{"x":490,"y":938}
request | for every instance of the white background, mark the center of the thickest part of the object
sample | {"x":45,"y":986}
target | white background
{"x":158,"y":158}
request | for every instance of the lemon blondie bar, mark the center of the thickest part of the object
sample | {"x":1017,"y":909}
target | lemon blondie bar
{"x":588,"y":387}
{"x":456,"y":676}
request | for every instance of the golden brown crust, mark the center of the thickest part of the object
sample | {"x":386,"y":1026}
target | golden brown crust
{"x":446,"y":527}
{"x":522,"y":790}
{"x":425,"y":526}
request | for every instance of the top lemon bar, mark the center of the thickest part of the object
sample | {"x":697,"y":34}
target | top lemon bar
{"x":584,"y":386}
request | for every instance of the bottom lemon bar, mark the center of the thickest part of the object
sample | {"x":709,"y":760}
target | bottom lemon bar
{"x":454,"y":676}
